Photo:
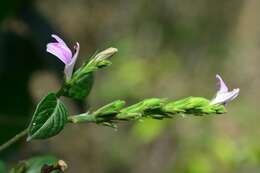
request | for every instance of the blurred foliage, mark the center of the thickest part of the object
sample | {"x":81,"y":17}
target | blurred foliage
{"x":148,"y":130}
{"x":34,"y":165}
{"x":2,"y":167}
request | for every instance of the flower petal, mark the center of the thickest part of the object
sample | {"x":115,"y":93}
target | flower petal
{"x":224,"y":98}
{"x":70,"y":66}
{"x":222,"y":87}
{"x":59,"y":40}
{"x":235,"y":94}
{"x":60,"y":51}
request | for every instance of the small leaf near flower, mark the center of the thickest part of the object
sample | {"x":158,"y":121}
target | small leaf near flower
{"x":81,"y":88}
{"x":80,"y":84}
{"x":193,"y":105}
{"x":111,"y":108}
{"x":49,"y":118}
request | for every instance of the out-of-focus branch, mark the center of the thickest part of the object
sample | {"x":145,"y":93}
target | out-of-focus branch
{"x":60,"y":166}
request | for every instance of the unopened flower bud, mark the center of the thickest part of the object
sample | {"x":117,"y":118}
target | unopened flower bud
{"x":105,"y":54}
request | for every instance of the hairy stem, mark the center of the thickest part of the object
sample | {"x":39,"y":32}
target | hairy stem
{"x":24,"y":132}
{"x":13,"y":140}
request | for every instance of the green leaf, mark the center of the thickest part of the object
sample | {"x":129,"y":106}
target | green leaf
{"x":49,"y":118}
{"x":80,"y":88}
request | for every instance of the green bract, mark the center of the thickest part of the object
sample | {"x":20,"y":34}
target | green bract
{"x":155,"y":108}
{"x":193,"y":105}
{"x":111,"y":108}
{"x":137,"y":110}
{"x":80,"y":85}
{"x":49,"y":118}
{"x":80,"y":88}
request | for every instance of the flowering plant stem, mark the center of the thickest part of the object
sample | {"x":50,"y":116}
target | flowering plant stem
{"x":13,"y":140}
{"x":23,"y":133}
{"x":154,"y":108}
{"x":51,"y":115}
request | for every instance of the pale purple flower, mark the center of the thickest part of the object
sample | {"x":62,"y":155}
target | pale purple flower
{"x":61,"y":51}
{"x":224,"y":96}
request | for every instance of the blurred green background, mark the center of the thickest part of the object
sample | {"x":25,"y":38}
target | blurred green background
{"x":167,"y":48}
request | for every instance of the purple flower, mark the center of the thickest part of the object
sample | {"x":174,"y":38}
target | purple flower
{"x":224,"y":96}
{"x":61,"y":51}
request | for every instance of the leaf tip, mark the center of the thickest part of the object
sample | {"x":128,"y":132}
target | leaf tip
{"x":29,"y":138}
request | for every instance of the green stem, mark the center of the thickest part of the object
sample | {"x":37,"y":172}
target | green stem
{"x":82,"y":118}
{"x":61,"y":91}
{"x":13,"y":140}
